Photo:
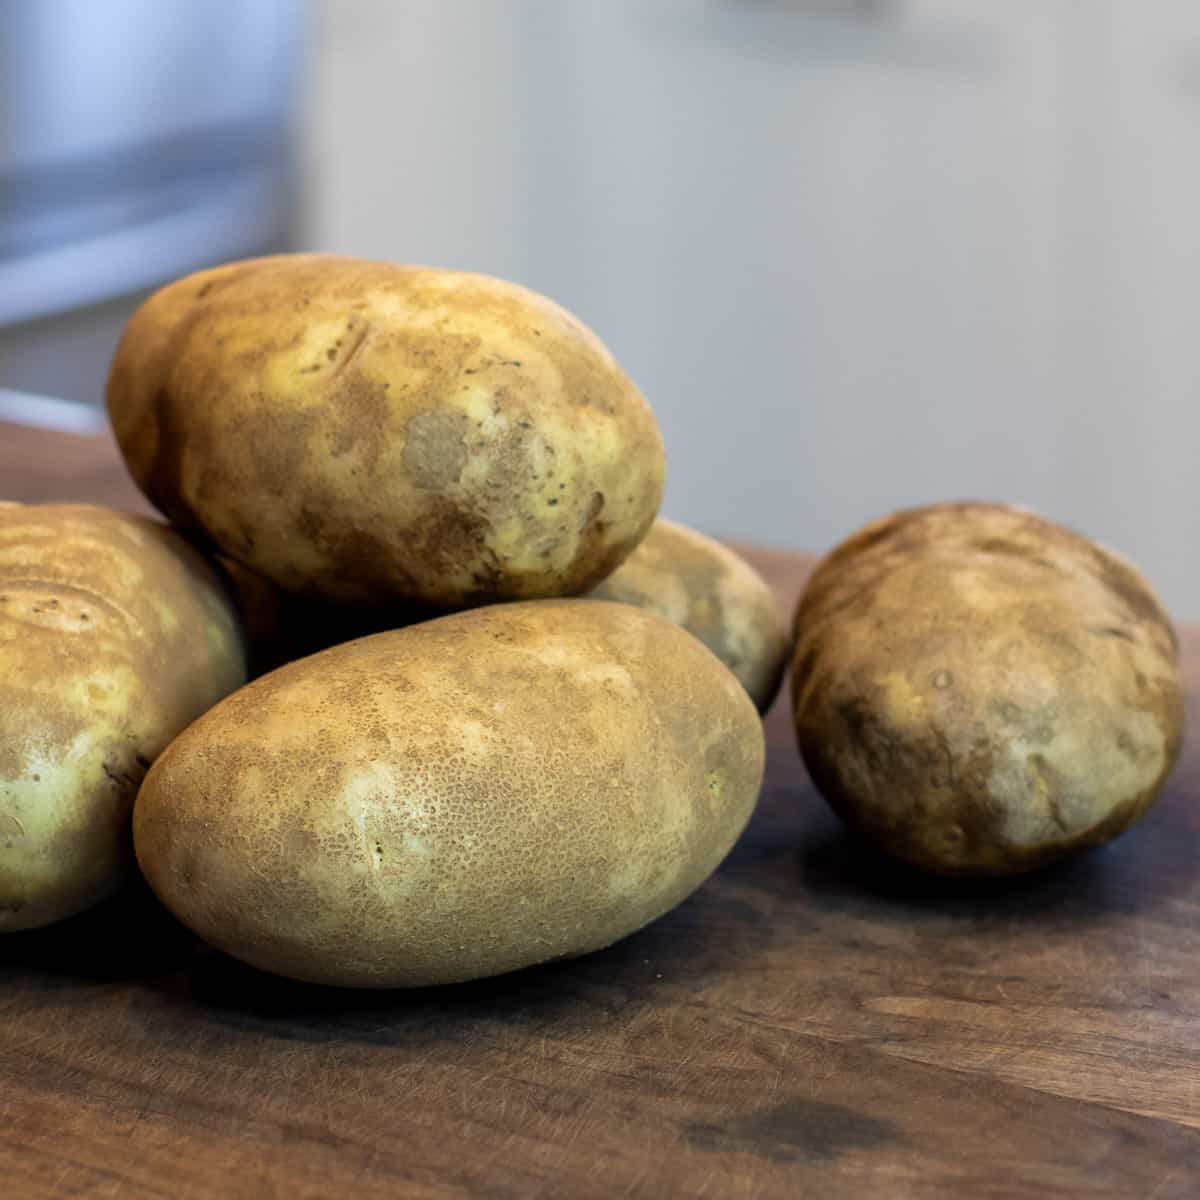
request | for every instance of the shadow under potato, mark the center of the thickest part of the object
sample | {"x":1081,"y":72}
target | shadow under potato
{"x":708,"y":935}
{"x":126,"y":937}
{"x":131,"y":938}
{"x":795,"y":882}
{"x":839,"y":871}
{"x":796,"y":847}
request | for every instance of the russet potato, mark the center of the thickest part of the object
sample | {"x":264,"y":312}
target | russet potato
{"x":114,"y":635}
{"x":368,"y":434}
{"x":464,"y":797}
{"x":281,"y":627}
{"x":714,"y":594}
{"x":979,"y":691}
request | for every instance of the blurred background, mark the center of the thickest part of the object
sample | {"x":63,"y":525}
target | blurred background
{"x":859,"y":254}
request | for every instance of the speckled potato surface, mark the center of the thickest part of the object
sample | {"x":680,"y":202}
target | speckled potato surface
{"x":454,"y":800}
{"x":714,"y":594}
{"x":114,"y":635}
{"x":365,"y":433}
{"x":980,"y":691}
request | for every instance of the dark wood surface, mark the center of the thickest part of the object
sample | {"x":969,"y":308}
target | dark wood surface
{"x":811,"y":1023}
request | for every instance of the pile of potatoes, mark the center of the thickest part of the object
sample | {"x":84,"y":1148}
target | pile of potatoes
{"x":501,"y":715}
{"x":413,"y":687}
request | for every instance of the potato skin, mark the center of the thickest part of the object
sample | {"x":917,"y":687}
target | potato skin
{"x":454,"y":800}
{"x":707,"y":589}
{"x":980,"y":691}
{"x":114,"y":635}
{"x":366,"y":433}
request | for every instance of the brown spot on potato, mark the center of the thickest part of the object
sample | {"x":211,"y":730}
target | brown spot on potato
{"x":361,"y":420}
{"x":510,"y":463}
{"x":996,"y":545}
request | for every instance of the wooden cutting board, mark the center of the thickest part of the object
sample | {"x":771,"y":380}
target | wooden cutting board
{"x":811,"y":1023}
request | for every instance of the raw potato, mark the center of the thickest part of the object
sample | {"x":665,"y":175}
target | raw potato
{"x":465,"y":797}
{"x":114,"y":635}
{"x":366,"y":433}
{"x":980,"y":691}
{"x":716,"y":596}
{"x":280,"y":627}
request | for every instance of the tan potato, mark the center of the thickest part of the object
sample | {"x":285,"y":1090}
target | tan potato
{"x":708,"y":590}
{"x":465,"y":797}
{"x":366,"y":433}
{"x":114,"y":635}
{"x":980,"y":691}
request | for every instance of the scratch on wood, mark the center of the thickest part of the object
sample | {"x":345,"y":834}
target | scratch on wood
{"x":1169,"y":1177}
{"x":634,"y":1182}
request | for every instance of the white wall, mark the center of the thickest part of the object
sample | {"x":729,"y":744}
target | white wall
{"x":858,"y":253}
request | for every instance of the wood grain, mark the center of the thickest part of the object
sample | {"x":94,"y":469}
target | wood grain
{"x":812,"y":1023}
{"x":37,"y":465}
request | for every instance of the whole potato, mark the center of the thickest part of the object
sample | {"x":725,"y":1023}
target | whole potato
{"x":980,"y":691}
{"x":461,"y":798}
{"x":367,"y":433}
{"x":114,"y":635}
{"x":714,"y":594}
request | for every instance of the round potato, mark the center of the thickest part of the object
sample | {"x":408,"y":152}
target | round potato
{"x":461,"y":798}
{"x":367,"y":433}
{"x":716,"y":596}
{"x":980,"y":691}
{"x":114,"y":635}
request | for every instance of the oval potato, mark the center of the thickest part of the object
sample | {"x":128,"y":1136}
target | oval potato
{"x":367,"y":433}
{"x":980,"y":691}
{"x":114,"y":635}
{"x":707,"y":589}
{"x":454,"y":800}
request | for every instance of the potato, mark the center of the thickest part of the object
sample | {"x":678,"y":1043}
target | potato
{"x":980,"y":691}
{"x":366,"y":433}
{"x":716,"y":596}
{"x":461,"y":798}
{"x":114,"y":635}
{"x":280,"y":627}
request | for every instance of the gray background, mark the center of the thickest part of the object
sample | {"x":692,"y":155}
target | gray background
{"x":858,"y":253}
